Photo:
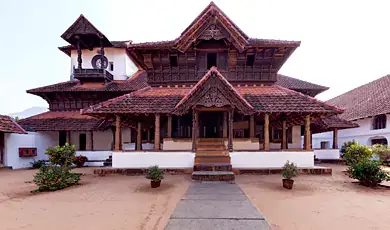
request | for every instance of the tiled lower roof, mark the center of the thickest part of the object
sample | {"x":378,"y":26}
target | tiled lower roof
{"x":263,"y":99}
{"x":367,"y":100}
{"x":299,"y":85}
{"x":330,"y":123}
{"x":57,"y":121}
{"x":9,"y":125}
{"x":136,"y":82}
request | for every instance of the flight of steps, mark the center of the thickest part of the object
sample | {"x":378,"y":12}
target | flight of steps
{"x":212,"y":161}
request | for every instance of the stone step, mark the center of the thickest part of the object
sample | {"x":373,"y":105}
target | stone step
{"x":212,"y":153}
{"x":211,"y":148}
{"x":213,"y":176}
{"x":213,"y":167}
{"x":212,"y":159}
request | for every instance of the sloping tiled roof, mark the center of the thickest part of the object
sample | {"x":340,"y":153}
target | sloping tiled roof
{"x":9,"y":125}
{"x":329,"y":123}
{"x":57,"y":121}
{"x":116,"y":44}
{"x":298,"y":85}
{"x":148,"y":100}
{"x":367,"y":100}
{"x":263,"y":99}
{"x":275,"y":98}
{"x":136,"y":82}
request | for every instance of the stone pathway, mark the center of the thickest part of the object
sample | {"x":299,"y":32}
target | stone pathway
{"x":216,"y":205}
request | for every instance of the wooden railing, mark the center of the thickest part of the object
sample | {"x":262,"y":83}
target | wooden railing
{"x":84,"y":74}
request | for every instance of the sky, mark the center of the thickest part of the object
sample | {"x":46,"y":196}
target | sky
{"x":344,"y":43}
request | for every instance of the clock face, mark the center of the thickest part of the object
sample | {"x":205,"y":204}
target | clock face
{"x":97,"y":62}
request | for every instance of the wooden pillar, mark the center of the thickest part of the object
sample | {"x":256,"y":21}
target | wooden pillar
{"x":68,"y":138}
{"x":79,"y":53}
{"x":118,"y":133}
{"x":252,"y":126}
{"x":157,"y":132}
{"x":91,"y":139}
{"x":266,"y":132}
{"x":169,"y":134}
{"x":139,"y":136}
{"x":307,"y":133}
{"x":230,"y":140}
{"x":102,"y":54}
{"x":194,"y":129}
{"x":284,"y":134}
{"x":225,"y":121}
{"x":335,"y":138}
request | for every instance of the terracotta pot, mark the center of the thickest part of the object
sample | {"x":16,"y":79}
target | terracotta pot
{"x":288,"y":183}
{"x":155,"y":184}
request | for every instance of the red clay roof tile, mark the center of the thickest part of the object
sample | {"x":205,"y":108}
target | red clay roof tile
{"x":9,"y":125}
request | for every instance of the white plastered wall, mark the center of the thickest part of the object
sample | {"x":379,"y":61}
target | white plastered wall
{"x":123,"y":66}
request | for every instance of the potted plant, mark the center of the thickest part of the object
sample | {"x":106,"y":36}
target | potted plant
{"x":155,"y":175}
{"x":79,"y":161}
{"x":289,"y":171}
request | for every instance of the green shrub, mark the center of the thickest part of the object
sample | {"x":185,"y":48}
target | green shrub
{"x":80,"y":160}
{"x":51,"y":178}
{"x":62,"y":155}
{"x":382,"y":151}
{"x":289,"y":170}
{"x":154,"y":173}
{"x":368,"y":172}
{"x":356,"y":153}
{"x":37,"y":164}
{"x":345,"y":146}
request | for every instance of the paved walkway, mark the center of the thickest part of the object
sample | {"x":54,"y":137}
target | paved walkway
{"x":216,"y":205}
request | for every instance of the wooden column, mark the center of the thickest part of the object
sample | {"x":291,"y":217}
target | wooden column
{"x":139,"y":136}
{"x":68,"y":138}
{"x":194,"y":129}
{"x":284,"y":134}
{"x":169,"y":133}
{"x":118,"y":133}
{"x":307,"y":133}
{"x":335,"y":138}
{"x":252,"y":126}
{"x":91,"y":139}
{"x":101,"y":54}
{"x":157,"y":132}
{"x":225,"y":121}
{"x":79,"y":53}
{"x":230,"y":140}
{"x":266,"y":131}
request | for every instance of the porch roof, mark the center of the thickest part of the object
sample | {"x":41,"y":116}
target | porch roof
{"x":330,"y":123}
{"x":57,"y":121}
{"x":9,"y":125}
{"x":263,"y":99}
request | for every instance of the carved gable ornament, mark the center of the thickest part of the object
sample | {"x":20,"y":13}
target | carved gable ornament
{"x":213,"y":32}
{"x":211,"y":91}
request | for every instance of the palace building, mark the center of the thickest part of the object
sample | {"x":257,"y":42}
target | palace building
{"x":212,"y":95}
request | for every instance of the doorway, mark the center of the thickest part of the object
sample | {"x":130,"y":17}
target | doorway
{"x":210,"y":124}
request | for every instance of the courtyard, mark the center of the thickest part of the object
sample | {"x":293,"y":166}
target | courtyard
{"x":127,"y":202}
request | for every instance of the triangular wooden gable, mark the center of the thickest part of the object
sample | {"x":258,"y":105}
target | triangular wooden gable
{"x":213,"y":90}
{"x":212,"y":23}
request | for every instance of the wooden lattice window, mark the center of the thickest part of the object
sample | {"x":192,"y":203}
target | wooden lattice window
{"x":379,"y":122}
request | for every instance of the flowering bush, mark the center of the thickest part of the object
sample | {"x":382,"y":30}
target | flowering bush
{"x":61,"y":155}
{"x":80,"y":161}
{"x":368,"y":172}
{"x":51,"y":178}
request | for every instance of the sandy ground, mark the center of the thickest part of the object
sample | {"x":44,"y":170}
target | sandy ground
{"x":318,"y":202}
{"x":112,"y":202}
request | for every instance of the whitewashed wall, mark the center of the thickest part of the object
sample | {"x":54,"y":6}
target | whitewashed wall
{"x":146,"y":159}
{"x":123,"y":66}
{"x":255,"y":160}
{"x":327,"y":154}
{"x":95,"y":156}
{"x":38,"y":140}
{"x":363,"y":134}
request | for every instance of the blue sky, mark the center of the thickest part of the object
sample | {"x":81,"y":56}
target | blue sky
{"x":344,"y":43}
